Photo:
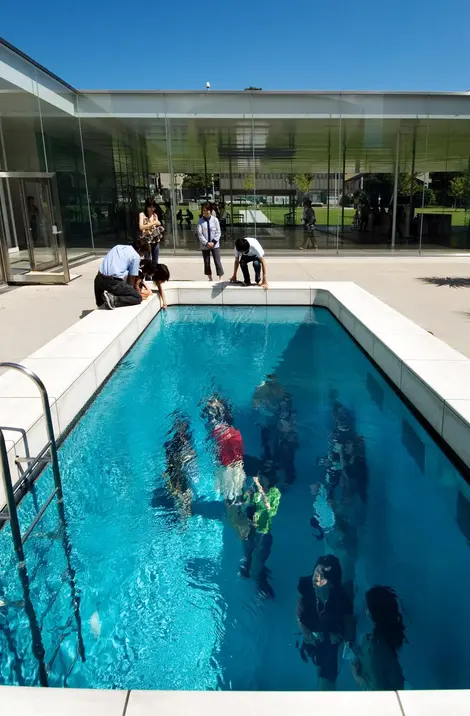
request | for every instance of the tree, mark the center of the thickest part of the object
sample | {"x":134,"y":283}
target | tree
{"x":376,"y":185}
{"x":460,"y":188}
{"x":429,"y":196}
{"x":303,"y":182}
{"x":249,"y":181}
{"x":404,"y":185}
{"x":194,"y":181}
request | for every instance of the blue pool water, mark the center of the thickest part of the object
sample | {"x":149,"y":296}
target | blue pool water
{"x":161,"y":601}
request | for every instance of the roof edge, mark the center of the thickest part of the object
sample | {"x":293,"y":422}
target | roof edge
{"x":36,"y":64}
{"x":331,"y":93}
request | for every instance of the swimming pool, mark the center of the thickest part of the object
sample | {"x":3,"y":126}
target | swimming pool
{"x":162,"y":604}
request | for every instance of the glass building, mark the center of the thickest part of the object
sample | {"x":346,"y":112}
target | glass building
{"x":384,"y":171}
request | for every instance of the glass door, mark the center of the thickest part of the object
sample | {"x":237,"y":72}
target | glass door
{"x":31,"y":234}
{"x":38,"y":217}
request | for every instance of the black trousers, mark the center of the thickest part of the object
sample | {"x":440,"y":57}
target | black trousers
{"x":257,"y":548}
{"x":206,"y":255}
{"x":126,"y":294}
{"x":155,"y":252}
{"x":244,"y":261}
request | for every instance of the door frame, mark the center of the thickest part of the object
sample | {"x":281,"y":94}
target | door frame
{"x":57,"y":231}
{"x":55,"y":261}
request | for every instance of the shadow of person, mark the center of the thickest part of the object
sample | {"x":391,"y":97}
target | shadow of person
{"x":86,"y":313}
{"x":450,"y":281}
{"x":218,"y":288}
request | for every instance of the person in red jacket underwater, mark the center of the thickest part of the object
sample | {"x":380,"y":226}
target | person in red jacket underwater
{"x":230,"y":474}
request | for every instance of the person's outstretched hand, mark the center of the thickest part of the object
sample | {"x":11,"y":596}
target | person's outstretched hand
{"x":265,"y":285}
{"x":233,"y":279}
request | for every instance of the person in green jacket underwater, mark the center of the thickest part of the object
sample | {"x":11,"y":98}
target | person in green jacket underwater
{"x":261,"y":505}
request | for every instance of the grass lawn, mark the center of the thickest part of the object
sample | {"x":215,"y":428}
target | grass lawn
{"x":276,"y":214}
{"x":460,"y":217}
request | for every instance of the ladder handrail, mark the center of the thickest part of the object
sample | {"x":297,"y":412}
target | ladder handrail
{"x":47,"y":413}
{"x":37,"y":643}
{"x":19,"y":540}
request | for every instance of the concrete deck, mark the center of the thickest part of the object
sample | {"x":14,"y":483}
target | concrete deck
{"x":434,"y":292}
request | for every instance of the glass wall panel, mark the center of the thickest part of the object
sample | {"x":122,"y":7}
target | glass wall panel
{"x":156,"y":163}
{"x":412,"y":194}
{"x":447,"y":171}
{"x":21,"y":148}
{"x":297,"y":170}
{"x":212,"y":161}
{"x":368,"y":148}
{"x":107,"y":217}
{"x":126,"y":162}
{"x":39,"y":132}
{"x":64,"y":156}
{"x":21,"y":128}
{"x":189,"y":183}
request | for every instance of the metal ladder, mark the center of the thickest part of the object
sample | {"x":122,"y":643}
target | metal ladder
{"x":47,"y":455}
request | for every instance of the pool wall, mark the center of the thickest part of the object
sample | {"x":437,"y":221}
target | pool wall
{"x":432,"y":376}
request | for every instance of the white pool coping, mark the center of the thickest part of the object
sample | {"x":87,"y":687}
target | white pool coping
{"x":30,"y":701}
{"x":431,"y":375}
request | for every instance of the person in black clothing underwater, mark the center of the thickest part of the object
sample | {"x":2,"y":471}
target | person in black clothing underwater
{"x":180,"y":461}
{"x":325,"y":617}
{"x":286,"y":440}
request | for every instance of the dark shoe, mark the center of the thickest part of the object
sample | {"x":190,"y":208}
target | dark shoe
{"x":109,"y":300}
{"x":244,"y":570}
{"x":245,"y":283}
{"x":265,"y":589}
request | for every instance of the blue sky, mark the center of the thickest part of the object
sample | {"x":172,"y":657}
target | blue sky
{"x":273,"y":44}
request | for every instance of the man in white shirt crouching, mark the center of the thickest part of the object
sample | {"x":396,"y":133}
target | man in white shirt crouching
{"x":250,"y":251}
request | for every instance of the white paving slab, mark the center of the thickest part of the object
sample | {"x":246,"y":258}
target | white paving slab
{"x":414,"y":343}
{"x":254,"y":703}
{"x":28,"y":701}
{"x":435,"y":703}
{"x":450,"y":380}
{"x":72,"y":344}
{"x":57,"y":374}
{"x":252,"y":216}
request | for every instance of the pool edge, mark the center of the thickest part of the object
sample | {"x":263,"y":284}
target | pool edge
{"x":31,"y":701}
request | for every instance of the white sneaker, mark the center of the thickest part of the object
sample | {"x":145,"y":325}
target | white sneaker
{"x":109,"y":300}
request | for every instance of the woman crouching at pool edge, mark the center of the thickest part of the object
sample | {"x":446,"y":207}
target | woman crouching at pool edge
{"x":159,"y":274}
